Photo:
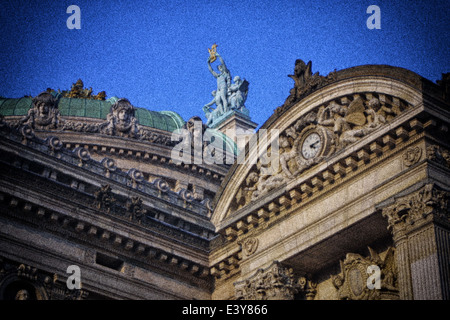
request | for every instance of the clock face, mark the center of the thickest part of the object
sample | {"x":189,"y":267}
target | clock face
{"x":311,"y":145}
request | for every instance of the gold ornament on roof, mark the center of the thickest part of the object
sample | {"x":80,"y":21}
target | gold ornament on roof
{"x":78,"y":91}
{"x":212,"y":53}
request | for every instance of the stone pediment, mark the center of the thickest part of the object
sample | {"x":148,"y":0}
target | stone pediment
{"x":317,"y":139}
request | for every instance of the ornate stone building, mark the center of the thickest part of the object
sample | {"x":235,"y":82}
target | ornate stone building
{"x":355,"y":205}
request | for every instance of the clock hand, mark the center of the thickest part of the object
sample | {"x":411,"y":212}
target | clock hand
{"x":312,"y":145}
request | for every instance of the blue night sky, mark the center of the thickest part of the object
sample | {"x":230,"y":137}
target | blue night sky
{"x":155,"y":52}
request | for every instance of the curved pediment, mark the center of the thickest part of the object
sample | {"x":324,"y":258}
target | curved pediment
{"x":343,"y":111}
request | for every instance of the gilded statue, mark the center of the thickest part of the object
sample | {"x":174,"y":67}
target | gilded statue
{"x":212,"y":53}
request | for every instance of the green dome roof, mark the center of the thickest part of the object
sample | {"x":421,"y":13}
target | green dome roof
{"x":163,"y":120}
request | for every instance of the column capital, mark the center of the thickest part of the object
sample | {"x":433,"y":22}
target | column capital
{"x":277,"y":282}
{"x":429,"y":203}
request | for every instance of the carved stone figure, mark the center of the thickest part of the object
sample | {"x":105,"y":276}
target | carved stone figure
{"x":286,"y":156}
{"x":135,"y":209}
{"x":121,"y":120}
{"x":375,"y":117}
{"x":22,"y":294}
{"x":44,"y":113}
{"x":334,"y":116}
{"x":104,"y":199}
{"x":265,"y":183}
{"x":238,"y":93}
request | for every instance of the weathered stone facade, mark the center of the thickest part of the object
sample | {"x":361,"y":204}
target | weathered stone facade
{"x":357,"y":209}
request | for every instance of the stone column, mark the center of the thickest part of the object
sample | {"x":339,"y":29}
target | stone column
{"x":420,"y":226}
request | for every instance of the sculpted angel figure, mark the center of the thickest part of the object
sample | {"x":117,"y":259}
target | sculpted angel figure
{"x":334,"y":115}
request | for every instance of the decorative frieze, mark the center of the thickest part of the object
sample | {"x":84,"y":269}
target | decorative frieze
{"x":342,"y":168}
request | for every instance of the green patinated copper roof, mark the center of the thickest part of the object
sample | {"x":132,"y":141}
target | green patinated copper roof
{"x":98,"y":109}
{"x":163,"y":120}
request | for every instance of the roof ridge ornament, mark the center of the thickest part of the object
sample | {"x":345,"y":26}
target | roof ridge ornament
{"x":305,"y":82}
{"x":78,"y":91}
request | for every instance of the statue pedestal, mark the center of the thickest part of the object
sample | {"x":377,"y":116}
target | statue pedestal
{"x":237,"y":126}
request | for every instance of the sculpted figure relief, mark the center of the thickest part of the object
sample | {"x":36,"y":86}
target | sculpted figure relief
{"x":238,"y":93}
{"x":22,"y":294}
{"x":44,"y":113}
{"x":330,"y":128}
{"x":121,"y":120}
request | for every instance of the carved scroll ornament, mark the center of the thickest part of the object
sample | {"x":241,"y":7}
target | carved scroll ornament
{"x":352,"y":282}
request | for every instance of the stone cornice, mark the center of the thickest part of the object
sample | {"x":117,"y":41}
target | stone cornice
{"x":148,"y":245}
{"x":156,"y":146}
{"x":57,"y":168}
